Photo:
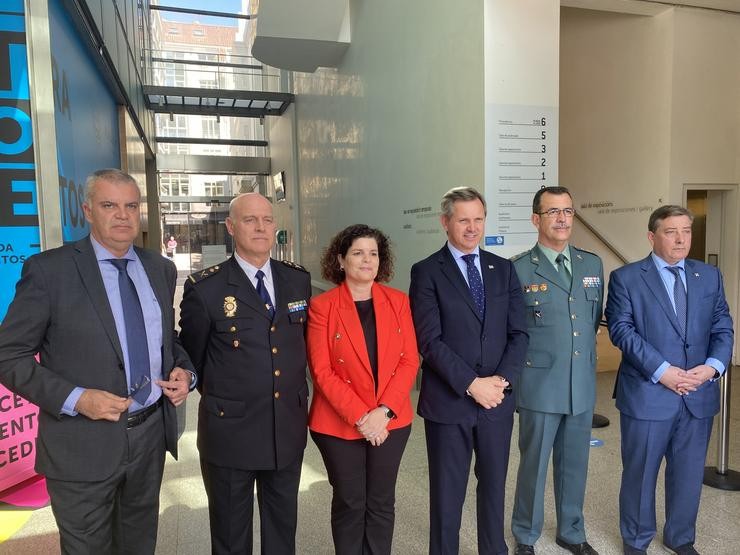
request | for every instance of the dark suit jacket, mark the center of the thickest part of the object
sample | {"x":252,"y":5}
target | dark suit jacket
{"x":455,"y":344}
{"x":643,"y":325}
{"x":337,"y":352}
{"x":61,"y":311}
{"x":251,"y":370}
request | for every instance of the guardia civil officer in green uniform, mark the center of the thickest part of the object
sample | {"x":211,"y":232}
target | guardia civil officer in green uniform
{"x":243,"y":324}
{"x":563,"y":292}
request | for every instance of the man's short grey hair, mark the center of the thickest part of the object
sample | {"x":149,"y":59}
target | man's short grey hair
{"x":111,"y":175}
{"x":667,"y":211}
{"x":460,"y":194}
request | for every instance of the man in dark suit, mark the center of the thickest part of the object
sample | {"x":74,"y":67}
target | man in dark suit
{"x":110,"y":373}
{"x":243,"y":324}
{"x":669,"y":317}
{"x":563,"y":292}
{"x":468,"y":312}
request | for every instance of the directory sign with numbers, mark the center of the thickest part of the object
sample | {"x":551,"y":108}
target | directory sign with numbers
{"x":521,"y":157}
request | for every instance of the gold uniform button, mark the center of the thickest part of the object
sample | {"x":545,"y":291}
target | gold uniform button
{"x":576,"y":333}
{"x":572,"y":316}
{"x":277,"y":372}
{"x":301,"y":319}
{"x":537,"y":302}
{"x":274,"y":350}
{"x":236,"y":343}
{"x":277,"y":395}
{"x":221,"y":413}
{"x":576,"y":353}
{"x":272,"y":328}
{"x":571,"y":299}
{"x":232,"y":329}
{"x":529,"y":363}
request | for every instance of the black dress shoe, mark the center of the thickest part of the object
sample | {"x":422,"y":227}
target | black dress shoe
{"x":524,"y":549}
{"x":629,"y":550}
{"x":577,"y":548}
{"x":685,"y":549}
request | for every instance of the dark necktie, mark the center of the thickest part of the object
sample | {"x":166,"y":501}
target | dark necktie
{"x":264,"y":295}
{"x":679,"y":297}
{"x":475,"y":284}
{"x":138,"y":349}
{"x":563,"y":272}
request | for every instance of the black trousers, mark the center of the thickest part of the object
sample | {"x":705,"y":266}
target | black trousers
{"x":230,"y":494}
{"x":449,"y":450}
{"x":118,"y":515}
{"x":363,"y":479}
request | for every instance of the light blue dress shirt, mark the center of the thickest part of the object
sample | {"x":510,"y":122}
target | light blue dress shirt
{"x":668,"y":281}
{"x":152,"y":320}
{"x":458,"y":254}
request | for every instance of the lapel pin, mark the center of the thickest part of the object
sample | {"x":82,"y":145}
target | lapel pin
{"x":579,"y":257}
{"x":696,"y":274}
{"x":490,"y":266}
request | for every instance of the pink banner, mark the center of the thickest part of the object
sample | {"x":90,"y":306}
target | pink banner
{"x":18,"y":426}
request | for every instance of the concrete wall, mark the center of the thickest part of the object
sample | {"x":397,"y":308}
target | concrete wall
{"x":398,"y":123}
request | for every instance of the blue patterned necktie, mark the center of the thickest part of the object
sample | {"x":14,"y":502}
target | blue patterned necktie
{"x":264,"y":295}
{"x":679,"y":297}
{"x":563,"y":272}
{"x":138,"y":347}
{"x":476,"y":284}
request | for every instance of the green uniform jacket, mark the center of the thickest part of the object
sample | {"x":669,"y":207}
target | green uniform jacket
{"x":559,"y":375}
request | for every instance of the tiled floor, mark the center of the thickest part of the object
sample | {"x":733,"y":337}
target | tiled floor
{"x":184,"y":519}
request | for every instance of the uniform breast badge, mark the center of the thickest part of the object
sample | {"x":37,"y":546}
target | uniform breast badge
{"x":229,"y":306}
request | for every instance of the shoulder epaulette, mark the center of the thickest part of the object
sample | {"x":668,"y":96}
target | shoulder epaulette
{"x":294,"y":265}
{"x":518,"y":256}
{"x":584,"y":250}
{"x":204,"y":273}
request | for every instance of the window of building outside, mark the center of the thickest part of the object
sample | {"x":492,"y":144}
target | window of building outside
{"x":175,"y":185}
{"x":214,"y":189}
{"x":210,"y":127}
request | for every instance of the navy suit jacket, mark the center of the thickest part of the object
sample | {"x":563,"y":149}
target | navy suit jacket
{"x":457,"y":346}
{"x":643,"y":325}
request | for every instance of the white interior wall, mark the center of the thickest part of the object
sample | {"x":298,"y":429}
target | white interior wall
{"x":398,"y":123}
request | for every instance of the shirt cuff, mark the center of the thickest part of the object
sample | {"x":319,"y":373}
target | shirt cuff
{"x":655,"y":378}
{"x":68,"y":407}
{"x":717,"y":365}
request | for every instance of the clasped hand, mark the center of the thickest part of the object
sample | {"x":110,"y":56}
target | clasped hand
{"x":489,"y":391}
{"x":372,"y":426}
{"x":683,"y":382}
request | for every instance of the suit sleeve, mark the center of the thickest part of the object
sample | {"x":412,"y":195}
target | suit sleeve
{"x":397,"y":391}
{"x":438,"y":357}
{"x":517,"y":338}
{"x":721,"y":336}
{"x":620,"y":318}
{"x":21,"y":336}
{"x":179,"y":354}
{"x":195,"y":328}
{"x":338,"y":392}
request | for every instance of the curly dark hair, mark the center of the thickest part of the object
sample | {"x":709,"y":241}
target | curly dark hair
{"x":341,"y":243}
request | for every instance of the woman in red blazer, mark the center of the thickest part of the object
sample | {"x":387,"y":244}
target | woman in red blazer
{"x":363,"y":359}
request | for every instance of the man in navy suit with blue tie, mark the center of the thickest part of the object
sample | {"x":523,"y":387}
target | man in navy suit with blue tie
{"x":669,"y":317}
{"x":469,"y":315}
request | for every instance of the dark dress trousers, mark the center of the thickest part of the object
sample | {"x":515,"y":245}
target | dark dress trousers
{"x":252,"y":418}
{"x":61,"y":311}
{"x":657,"y":423}
{"x":458,"y":346}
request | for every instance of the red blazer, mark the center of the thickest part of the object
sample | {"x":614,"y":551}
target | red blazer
{"x":344,"y":388}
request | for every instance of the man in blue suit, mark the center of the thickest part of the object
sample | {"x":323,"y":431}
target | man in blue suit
{"x":469,"y":316}
{"x":669,"y":317}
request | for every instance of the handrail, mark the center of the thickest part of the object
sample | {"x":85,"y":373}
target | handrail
{"x":601,"y":238}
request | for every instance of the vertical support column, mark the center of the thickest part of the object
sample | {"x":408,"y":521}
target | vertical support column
{"x":42,"y":115}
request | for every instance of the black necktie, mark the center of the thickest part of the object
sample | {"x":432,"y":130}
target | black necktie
{"x":679,"y":297}
{"x":264,"y":295}
{"x":563,"y":272}
{"x":476,"y":284}
{"x":138,"y":348}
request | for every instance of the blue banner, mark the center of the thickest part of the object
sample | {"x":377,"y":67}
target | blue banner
{"x":19,"y":223}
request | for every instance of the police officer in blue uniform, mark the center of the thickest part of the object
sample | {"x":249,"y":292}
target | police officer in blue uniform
{"x":243,"y":324}
{"x":563,"y":292}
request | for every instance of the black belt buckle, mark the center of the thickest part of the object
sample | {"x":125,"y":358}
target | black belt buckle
{"x":140,"y":416}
